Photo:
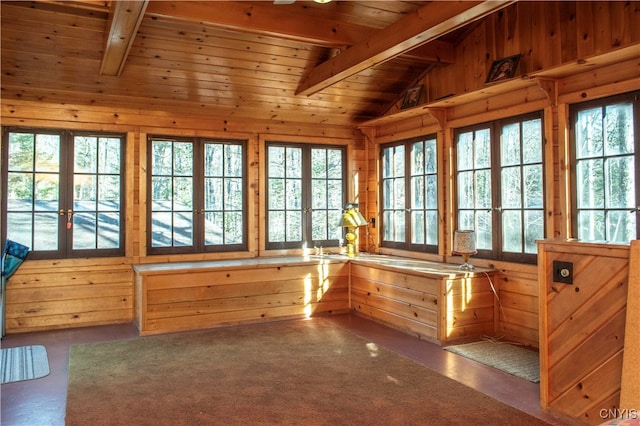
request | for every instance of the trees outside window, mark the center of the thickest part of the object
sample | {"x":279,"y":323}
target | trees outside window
{"x":500,"y":186}
{"x":606,"y":142}
{"x":409,"y":196}
{"x":63,"y":192}
{"x":196,"y":195}
{"x":306,"y":194}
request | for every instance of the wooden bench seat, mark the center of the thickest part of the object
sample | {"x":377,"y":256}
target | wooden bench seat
{"x":434,"y":301}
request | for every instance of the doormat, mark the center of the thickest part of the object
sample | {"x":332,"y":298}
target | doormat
{"x":23,"y":363}
{"x":512,"y":359}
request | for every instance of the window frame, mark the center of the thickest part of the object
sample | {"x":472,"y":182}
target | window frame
{"x":495,"y":168}
{"x":66,"y":173}
{"x":197,"y":197}
{"x":407,"y":187}
{"x":306,"y":196}
{"x":632,"y":97}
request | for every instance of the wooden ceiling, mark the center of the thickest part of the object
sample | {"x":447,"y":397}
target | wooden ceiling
{"x":339,"y":63}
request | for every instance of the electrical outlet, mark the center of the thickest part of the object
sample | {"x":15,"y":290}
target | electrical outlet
{"x":562,"y":272}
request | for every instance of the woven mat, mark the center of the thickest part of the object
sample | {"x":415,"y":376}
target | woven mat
{"x":512,"y":359}
{"x":23,"y":363}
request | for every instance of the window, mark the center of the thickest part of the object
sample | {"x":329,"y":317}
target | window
{"x":606,"y":167}
{"x":306,"y":193}
{"x":64,"y":192}
{"x":196,"y":195}
{"x":410,"y":195}
{"x":499,"y":185}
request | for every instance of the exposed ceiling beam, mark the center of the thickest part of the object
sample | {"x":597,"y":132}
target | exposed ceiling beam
{"x":426,"y":24}
{"x":124,"y":20}
{"x":283,"y":22}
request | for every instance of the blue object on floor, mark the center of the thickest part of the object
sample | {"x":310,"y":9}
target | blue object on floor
{"x":12,"y":256}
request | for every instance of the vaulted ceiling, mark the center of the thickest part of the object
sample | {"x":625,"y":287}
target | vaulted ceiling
{"x":338,"y":63}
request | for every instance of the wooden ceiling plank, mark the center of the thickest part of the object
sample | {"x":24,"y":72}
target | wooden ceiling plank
{"x":124,"y":20}
{"x":425,"y":25}
{"x":261,"y":19}
{"x":280,"y":22}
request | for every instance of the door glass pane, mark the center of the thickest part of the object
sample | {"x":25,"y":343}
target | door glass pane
{"x":33,"y":189}
{"x":96,"y":191}
{"x":172,"y":196}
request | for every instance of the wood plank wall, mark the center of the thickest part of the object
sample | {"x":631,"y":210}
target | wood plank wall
{"x":44,"y":295}
{"x":549,"y":35}
{"x":582,"y":328}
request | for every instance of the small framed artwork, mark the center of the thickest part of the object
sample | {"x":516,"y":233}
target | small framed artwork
{"x":412,"y":97}
{"x":503,"y":69}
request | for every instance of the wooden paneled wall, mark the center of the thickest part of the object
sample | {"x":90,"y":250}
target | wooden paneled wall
{"x":81,"y":292}
{"x":45,"y":295}
{"x":552,"y":37}
{"x":582,"y":328}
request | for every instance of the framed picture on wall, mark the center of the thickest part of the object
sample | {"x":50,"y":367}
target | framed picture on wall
{"x":503,"y":69}
{"x":412,"y":97}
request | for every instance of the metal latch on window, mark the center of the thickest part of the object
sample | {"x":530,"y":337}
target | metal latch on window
{"x":69,"y":216}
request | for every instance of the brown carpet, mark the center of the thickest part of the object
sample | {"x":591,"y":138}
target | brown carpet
{"x":292,"y":372}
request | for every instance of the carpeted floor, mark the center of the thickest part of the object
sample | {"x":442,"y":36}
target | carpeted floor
{"x":512,"y":359}
{"x":292,"y":372}
{"x":23,"y":363}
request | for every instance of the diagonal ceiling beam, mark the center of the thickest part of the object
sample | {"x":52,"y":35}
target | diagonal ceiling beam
{"x":423,"y":26}
{"x":263,"y":18}
{"x":124,"y":20}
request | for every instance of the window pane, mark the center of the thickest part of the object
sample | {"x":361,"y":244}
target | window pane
{"x":20,"y":228}
{"x":417,"y":159}
{"x":533,"y":229}
{"x":84,"y":231}
{"x":591,"y":225}
{"x":182,"y":229}
{"x":417,"y":227}
{"x":532,"y":141}
{"x":464,"y":151}
{"x":589,"y":135}
{"x":512,"y":231}
{"x":511,"y":190}
{"x":108,"y":230}
{"x":294,"y":162}
{"x":21,"y":152}
{"x":45,"y":229}
{"x":417,"y":192}
{"x":482,"y":150}
{"x":85,"y":154}
{"x":533,"y":187}
{"x":213,"y":228}
{"x":47,"y":153}
{"x":621,"y":226}
{"x":620,"y":181}
{"x":510,"y":145}
{"x":590,"y":183}
{"x":484,"y":230}
{"x":318,"y":163}
{"x":431,"y":190}
{"x":483,"y":188}
{"x":432,"y":228}
{"x":109,"y":156}
{"x":618,"y":129}
{"x":277,"y":226}
{"x":161,"y":229}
